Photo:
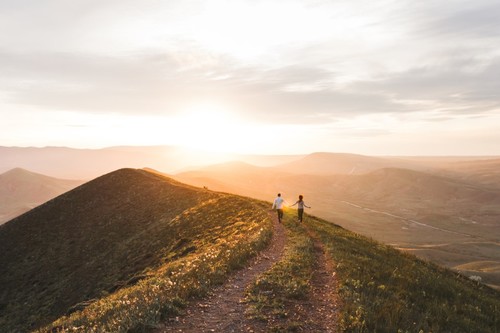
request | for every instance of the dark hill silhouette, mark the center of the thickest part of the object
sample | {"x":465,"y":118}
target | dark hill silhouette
{"x":90,"y":241}
{"x":22,"y":190}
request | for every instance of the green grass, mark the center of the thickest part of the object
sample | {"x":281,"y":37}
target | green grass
{"x":220,"y":250}
{"x":272,"y":296}
{"x":385,"y":290}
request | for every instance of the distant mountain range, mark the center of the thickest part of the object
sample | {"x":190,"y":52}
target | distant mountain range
{"x":72,"y":163}
{"x":22,"y":190}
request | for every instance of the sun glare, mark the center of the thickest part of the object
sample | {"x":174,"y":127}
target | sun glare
{"x":210,"y":127}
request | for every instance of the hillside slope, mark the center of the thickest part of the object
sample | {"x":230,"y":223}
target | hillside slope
{"x":484,"y":171}
{"x":385,"y":290}
{"x":441,"y":218}
{"x":22,"y":190}
{"x":105,"y":235}
{"x":125,"y":252}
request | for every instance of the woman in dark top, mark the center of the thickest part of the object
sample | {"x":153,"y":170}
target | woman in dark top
{"x":300,"y":205}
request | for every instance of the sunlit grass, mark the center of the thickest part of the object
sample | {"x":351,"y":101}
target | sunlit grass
{"x":385,"y":290}
{"x":221,"y":247}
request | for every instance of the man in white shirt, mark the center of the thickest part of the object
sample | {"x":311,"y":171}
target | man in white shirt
{"x":278,"y":204}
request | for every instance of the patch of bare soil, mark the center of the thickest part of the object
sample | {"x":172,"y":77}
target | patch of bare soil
{"x":224,"y":310}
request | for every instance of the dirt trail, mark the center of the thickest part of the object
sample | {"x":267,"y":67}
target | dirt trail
{"x":224,"y":310}
{"x":319,"y":312}
{"x":322,"y":311}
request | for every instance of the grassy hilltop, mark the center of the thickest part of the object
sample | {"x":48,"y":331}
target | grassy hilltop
{"x":126,"y":233}
{"x":129,"y":249}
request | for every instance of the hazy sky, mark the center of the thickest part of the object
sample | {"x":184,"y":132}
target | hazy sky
{"x":369,"y":77}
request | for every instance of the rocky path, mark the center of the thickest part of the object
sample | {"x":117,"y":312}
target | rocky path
{"x":224,"y":310}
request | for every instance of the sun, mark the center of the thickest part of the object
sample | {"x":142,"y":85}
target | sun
{"x":210,"y":127}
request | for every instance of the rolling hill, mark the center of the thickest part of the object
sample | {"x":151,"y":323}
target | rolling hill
{"x":342,"y":163}
{"x":22,"y":190}
{"x":108,"y":234}
{"x":485,"y":171}
{"x":130,"y":249}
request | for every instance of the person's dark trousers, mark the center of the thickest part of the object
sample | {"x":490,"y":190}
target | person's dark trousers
{"x":280,"y":214}
{"x":301,"y":213}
